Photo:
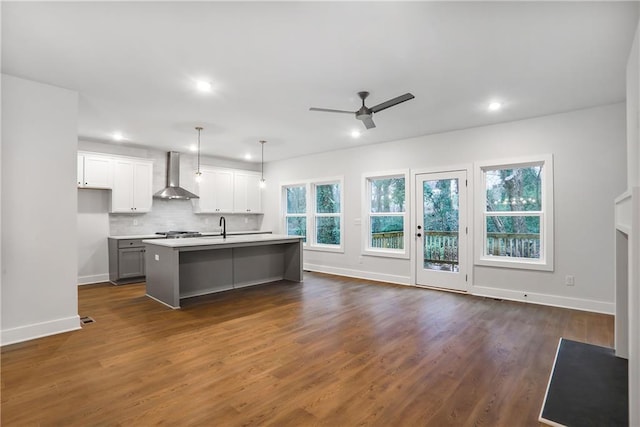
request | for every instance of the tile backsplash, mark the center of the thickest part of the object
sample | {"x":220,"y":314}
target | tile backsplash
{"x":168,"y":215}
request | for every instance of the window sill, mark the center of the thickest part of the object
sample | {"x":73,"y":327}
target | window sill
{"x":517,"y":263}
{"x":385,"y":253}
{"x":322,"y":248}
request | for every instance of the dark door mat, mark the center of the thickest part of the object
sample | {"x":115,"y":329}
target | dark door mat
{"x":588,"y":387}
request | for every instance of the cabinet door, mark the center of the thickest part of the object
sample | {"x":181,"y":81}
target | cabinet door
{"x":254,"y":193}
{"x":80,"y":167}
{"x":224,"y":191}
{"x":246,"y":192}
{"x":206,"y":192}
{"x":142,"y":190}
{"x":97,"y":171}
{"x":122,"y":194}
{"x":130,"y":262}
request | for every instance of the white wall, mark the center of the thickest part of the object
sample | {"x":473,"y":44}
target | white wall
{"x":39,"y":261}
{"x":589,"y":169}
{"x":93,"y":226}
{"x":633,"y":182}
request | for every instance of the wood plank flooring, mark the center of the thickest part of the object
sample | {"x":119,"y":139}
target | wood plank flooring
{"x":330,"y":351}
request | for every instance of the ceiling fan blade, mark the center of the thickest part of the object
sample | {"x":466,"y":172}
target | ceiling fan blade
{"x":392,"y":102}
{"x":368,"y":122}
{"x":329,"y":110}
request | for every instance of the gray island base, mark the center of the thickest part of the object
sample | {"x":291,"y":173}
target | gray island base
{"x":183,"y":268}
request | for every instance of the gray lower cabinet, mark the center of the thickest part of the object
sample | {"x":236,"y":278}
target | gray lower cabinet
{"x":126,"y":261}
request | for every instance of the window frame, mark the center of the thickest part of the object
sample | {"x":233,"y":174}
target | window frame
{"x":546,"y":260}
{"x":286,"y":214}
{"x":367,"y":249}
{"x":311,"y":214}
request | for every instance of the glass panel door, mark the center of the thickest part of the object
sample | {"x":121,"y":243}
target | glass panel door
{"x":442,"y":230}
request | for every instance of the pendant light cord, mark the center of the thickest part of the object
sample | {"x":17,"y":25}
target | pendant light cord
{"x":198,"y":129}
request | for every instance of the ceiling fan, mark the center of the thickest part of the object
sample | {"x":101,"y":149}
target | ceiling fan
{"x":365,"y":113}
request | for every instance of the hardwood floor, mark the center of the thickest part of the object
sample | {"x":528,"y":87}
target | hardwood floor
{"x":330,"y":351}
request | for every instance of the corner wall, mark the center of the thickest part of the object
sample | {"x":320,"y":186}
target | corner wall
{"x":633,"y":185}
{"x":39,"y":262}
{"x":589,"y":172}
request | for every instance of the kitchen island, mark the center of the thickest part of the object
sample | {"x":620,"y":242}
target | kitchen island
{"x":183,"y":268}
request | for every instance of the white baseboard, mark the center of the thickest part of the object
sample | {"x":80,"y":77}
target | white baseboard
{"x":359,"y":274}
{"x":96,"y":278}
{"x":481,"y":291}
{"x":545,"y":299}
{"x":39,"y":330}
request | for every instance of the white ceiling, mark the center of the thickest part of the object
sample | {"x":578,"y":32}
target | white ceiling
{"x":134,"y":65}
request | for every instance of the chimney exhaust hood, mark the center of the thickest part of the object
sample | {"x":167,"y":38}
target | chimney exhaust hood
{"x":173,"y":189}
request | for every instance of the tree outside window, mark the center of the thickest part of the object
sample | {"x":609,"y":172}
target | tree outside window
{"x":385,"y":214}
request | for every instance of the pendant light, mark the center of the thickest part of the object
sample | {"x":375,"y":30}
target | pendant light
{"x":198,"y":173}
{"x":263,"y":183}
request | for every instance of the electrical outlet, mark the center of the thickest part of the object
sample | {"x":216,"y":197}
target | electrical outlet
{"x":135,"y":221}
{"x":157,"y":257}
{"x":246,"y":220}
{"x":569,"y":280}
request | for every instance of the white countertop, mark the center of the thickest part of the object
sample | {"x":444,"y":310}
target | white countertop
{"x":218,"y":240}
{"x":204,"y":233}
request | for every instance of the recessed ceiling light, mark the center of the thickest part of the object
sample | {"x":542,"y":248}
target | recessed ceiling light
{"x":355,"y":134}
{"x":495,"y":106}
{"x":203,"y":86}
{"x":193,"y":148}
{"x":117,"y":136}
{"x":247,"y":156}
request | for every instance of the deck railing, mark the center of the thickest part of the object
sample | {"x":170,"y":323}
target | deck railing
{"x":442,"y":246}
{"x":521,"y":245}
{"x":388,"y":240}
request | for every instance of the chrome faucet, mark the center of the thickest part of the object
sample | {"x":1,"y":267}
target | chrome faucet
{"x":223,"y":224}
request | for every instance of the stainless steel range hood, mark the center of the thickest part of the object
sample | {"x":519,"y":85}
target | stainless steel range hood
{"x":173,"y":189}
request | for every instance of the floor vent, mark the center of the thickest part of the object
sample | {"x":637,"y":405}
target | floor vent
{"x":86,"y":320}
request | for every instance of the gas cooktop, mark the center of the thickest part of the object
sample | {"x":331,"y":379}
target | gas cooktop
{"x":179,"y":234}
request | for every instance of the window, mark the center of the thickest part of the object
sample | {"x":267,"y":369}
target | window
{"x":385,"y":228}
{"x":328,"y":216}
{"x":314,"y":210}
{"x":515,"y":202}
{"x":295,"y":216}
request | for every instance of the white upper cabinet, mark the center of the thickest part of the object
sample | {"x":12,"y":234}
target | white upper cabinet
{"x":246,"y":192}
{"x":228,"y":191}
{"x":95,"y":171}
{"x":132,"y":186}
{"x":215,"y":191}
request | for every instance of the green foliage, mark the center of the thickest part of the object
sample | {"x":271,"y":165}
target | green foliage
{"x":328,"y":230}
{"x":514,"y":190}
{"x":328,"y":198}
{"x":297,"y":199}
{"x":387,"y":195}
{"x":441,"y":205}
{"x":386,"y":224}
{"x":297,"y":226}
